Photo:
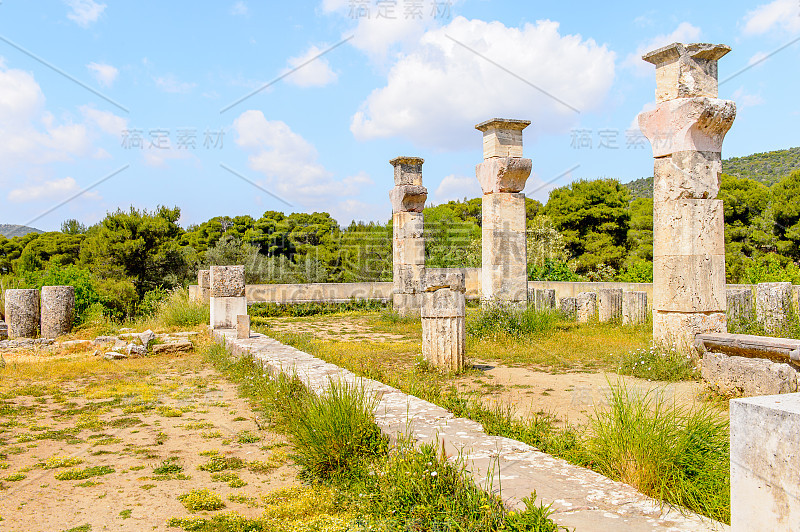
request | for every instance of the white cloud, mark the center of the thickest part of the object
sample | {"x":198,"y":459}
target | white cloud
{"x":744,"y":99}
{"x":437,"y":93}
{"x":55,"y":189}
{"x":317,"y":73}
{"x":170,"y":83}
{"x":159,"y":157}
{"x":289,"y":162}
{"x":783,"y":15}
{"x":84,"y":12}
{"x":240,"y":8}
{"x":684,"y":33}
{"x":106,"y":121}
{"x":105,"y":74}
{"x":457,"y":187}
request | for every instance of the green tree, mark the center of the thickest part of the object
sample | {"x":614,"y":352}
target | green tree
{"x":448,"y":238}
{"x":640,"y":234}
{"x":748,"y":223}
{"x":786,"y":209}
{"x":593,"y":216}
{"x":50,"y":248}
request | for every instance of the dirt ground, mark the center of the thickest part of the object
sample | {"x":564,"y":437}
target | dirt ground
{"x":163,"y":414}
{"x":344,"y":329}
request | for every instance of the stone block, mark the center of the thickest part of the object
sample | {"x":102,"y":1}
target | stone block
{"x":204,"y":278}
{"x":688,"y":227}
{"x":765,"y":463}
{"x":502,"y":137}
{"x":745,"y":376}
{"x":3,"y":330}
{"x":542,"y":298}
{"x":408,"y":225}
{"x":504,"y":283}
{"x":224,"y":311}
{"x":58,"y":310}
{"x":634,"y":308}
{"x":407,"y":305}
{"x":587,"y":306}
{"x":22,"y":312}
{"x":503,"y":174}
{"x":407,"y":170}
{"x":194,"y":293}
{"x":687,"y":174}
{"x":503,"y":212}
{"x":569,"y":307}
{"x":686,"y":71}
{"x":408,"y":198}
{"x":444,"y":341}
{"x":609,"y":307}
{"x":443,"y":303}
{"x":688,"y":124}
{"x":499,"y":248}
{"x":408,"y":278}
{"x":242,"y":326}
{"x":773,"y":305}
{"x":409,"y":251}
{"x":227,"y":281}
{"x":689,"y":283}
{"x":438,"y":279}
{"x":678,"y":329}
{"x":739,"y":304}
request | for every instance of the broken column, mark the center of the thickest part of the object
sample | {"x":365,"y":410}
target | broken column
{"x":739,"y":302}
{"x":58,"y":310}
{"x":773,"y":305}
{"x":408,"y":245}
{"x":444,"y":320}
{"x":502,"y":175}
{"x":634,"y":308}
{"x":587,"y":306}
{"x":22,"y":312}
{"x":543,"y":299}
{"x":227,"y":296}
{"x":569,"y":307}
{"x":204,"y":282}
{"x":686,"y":130}
{"x":610,"y":305}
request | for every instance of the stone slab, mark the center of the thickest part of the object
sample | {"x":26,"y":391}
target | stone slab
{"x":409,"y":251}
{"x":224,"y":311}
{"x":687,"y":227}
{"x":503,"y":174}
{"x":688,"y":124}
{"x":407,"y":170}
{"x":408,"y":225}
{"x":242,"y":326}
{"x":687,"y":174}
{"x":693,"y":283}
{"x":408,"y":198}
{"x":678,"y":329}
{"x":745,"y":376}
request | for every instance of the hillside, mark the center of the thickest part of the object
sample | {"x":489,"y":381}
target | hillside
{"x":11,"y":230}
{"x":768,"y":168}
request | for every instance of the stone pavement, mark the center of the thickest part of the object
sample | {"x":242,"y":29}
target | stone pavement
{"x":581,"y":499}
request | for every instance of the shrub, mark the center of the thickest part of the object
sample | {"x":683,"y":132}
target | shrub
{"x":201,"y":499}
{"x":640,"y":271}
{"x":151,"y":300}
{"x":177,"y":310}
{"x":274,"y":310}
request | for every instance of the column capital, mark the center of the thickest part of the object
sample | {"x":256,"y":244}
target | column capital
{"x":686,"y":71}
{"x":502,"y":137}
{"x":407,"y":170}
{"x":688,"y":124}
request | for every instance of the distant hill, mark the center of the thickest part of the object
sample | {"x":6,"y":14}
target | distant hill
{"x":11,"y":230}
{"x":768,"y":168}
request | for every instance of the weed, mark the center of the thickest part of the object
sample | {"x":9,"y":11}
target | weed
{"x":82,"y":474}
{"x":126,"y":514}
{"x":59,"y":461}
{"x":83,"y":528}
{"x":221,"y":463}
{"x":167,"y":411}
{"x":168,"y":466}
{"x":230,"y":477}
{"x":498,"y":320}
{"x":658,"y":364}
{"x":246,"y":436}
{"x":241,"y":498}
{"x":16,"y":477}
{"x":178,"y":310}
{"x":201,"y":499}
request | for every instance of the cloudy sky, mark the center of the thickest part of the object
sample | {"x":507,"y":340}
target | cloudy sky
{"x":238,"y":107}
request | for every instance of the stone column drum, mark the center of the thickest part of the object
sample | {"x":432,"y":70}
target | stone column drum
{"x":773,"y":305}
{"x":227,"y":296}
{"x":686,"y":131}
{"x":444,"y":320}
{"x":543,"y":298}
{"x":569,"y":307}
{"x":634,"y":308}
{"x":204,"y":282}
{"x":502,"y":175}
{"x":740,"y":304}
{"x":58,"y":310}
{"x":22,"y":312}
{"x":610,"y":305}
{"x":587,"y":306}
{"x":408,"y":245}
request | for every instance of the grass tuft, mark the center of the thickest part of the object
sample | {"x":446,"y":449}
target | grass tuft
{"x":658,"y":364}
{"x":504,"y":320}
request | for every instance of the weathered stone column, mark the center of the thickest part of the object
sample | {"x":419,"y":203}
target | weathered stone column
{"x":686,"y":131}
{"x":587,"y":307}
{"x":502,"y":175}
{"x":22,"y":312}
{"x":773,"y":305}
{"x":740,"y":304}
{"x":543,"y":298}
{"x":634,"y":308}
{"x":227,"y":296}
{"x":408,"y":245}
{"x":204,"y":282}
{"x":58,"y":310}
{"x":610,"y":305}
{"x":444,"y":320}
{"x":569,"y":307}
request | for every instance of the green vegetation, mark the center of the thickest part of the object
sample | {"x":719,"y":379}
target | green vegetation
{"x":499,"y":320}
{"x":201,"y":499}
{"x":768,"y":167}
{"x":83,"y":474}
{"x":658,"y":364}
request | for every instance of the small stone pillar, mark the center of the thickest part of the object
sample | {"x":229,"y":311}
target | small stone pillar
{"x":444,"y":320}
{"x":569,"y":307}
{"x":587,"y":306}
{"x":773,"y":305}
{"x":227,"y":296}
{"x":58,"y":310}
{"x":204,"y":282}
{"x":686,"y":130}
{"x":765,"y":463}
{"x":22,"y":312}
{"x":408,"y":245}
{"x":740,"y":304}
{"x":634,"y":308}
{"x":242,"y":326}
{"x":502,"y":175}
{"x":610,"y":307}
{"x":543,"y":299}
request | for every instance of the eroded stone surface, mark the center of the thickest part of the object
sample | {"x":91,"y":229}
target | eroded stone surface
{"x":408,"y":198}
{"x":22,"y":312}
{"x":686,"y":70}
{"x":773,"y":304}
{"x":634,"y":308}
{"x":587,"y":306}
{"x":609,"y":307}
{"x":407,"y":170}
{"x":739,"y":304}
{"x":687,"y":174}
{"x":504,"y":275}
{"x":227,"y":281}
{"x":58,"y":310}
{"x":503,"y":174}
{"x":688,"y":124}
{"x":678,"y":329}
{"x":569,"y":307}
{"x":224,"y":311}
{"x":502,"y":137}
{"x":688,"y":227}
{"x":745,"y":376}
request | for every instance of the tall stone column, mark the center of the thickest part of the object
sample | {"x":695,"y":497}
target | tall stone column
{"x":408,"y":245}
{"x":502,"y":175}
{"x":686,"y":130}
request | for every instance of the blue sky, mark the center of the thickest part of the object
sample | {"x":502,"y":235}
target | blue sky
{"x":146,"y":103}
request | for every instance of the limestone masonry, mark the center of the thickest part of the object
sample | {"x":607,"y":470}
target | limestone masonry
{"x":408,"y":245}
